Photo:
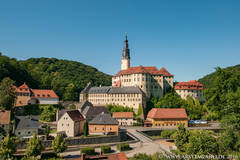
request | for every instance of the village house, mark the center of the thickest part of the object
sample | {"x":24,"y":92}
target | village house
{"x":26,"y":96}
{"x":90,"y":111}
{"x":103,"y":124}
{"x":167,"y":117}
{"x":86,"y":109}
{"x":124,"y":118}
{"x":4,"y":122}
{"x":71,"y":123}
{"x":192,"y":89}
{"x":25,"y":126}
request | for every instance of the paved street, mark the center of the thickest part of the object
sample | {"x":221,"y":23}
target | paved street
{"x":146,"y":145}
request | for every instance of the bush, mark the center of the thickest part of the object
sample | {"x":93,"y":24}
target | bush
{"x":48,"y":113}
{"x":72,"y":106}
{"x":167,"y":133}
{"x":118,"y":108}
{"x":106,"y":149}
{"x":123,"y":147}
{"x":88,"y":151}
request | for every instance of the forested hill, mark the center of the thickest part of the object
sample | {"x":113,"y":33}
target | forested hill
{"x":208,"y":80}
{"x":66,"y":78}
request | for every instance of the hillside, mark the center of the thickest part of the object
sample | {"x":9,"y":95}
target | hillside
{"x":66,"y":78}
{"x":208,"y":80}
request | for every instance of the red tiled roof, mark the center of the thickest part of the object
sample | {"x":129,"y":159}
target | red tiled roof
{"x":23,"y":88}
{"x":75,"y":115}
{"x":122,"y":115}
{"x":193,"y":85}
{"x":164,"y":72}
{"x":142,"y":69}
{"x":167,"y":113}
{"x":5,"y":117}
{"x":44,"y":93}
{"x":116,"y":156}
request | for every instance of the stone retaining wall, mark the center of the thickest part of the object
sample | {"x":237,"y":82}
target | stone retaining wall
{"x":121,"y":137}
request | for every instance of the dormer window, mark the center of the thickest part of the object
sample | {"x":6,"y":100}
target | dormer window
{"x":38,"y":95}
{"x":48,"y":95}
{"x":43,"y":95}
{"x":20,"y":89}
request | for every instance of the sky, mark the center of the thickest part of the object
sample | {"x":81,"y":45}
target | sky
{"x":187,"y":37}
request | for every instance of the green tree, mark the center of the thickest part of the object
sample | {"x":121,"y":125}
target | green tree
{"x":7,"y":147}
{"x":59,"y":144}
{"x":34,"y":146}
{"x":118,"y":108}
{"x":51,"y":73}
{"x":47,"y":131}
{"x":227,"y":141}
{"x":182,"y":137}
{"x":72,"y":106}
{"x":85,"y":128}
{"x":140,"y":111}
{"x":2,"y":132}
{"x":202,"y":142}
{"x":193,"y":108}
{"x":48,"y":113}
{"x":169,"y":100}
{"x":69,"y":93}
{"x":7,"y":94}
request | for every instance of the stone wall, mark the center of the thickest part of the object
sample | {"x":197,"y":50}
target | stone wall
{"x":121,"y":137}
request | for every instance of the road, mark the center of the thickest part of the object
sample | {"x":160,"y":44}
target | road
{"x":145,"y":145}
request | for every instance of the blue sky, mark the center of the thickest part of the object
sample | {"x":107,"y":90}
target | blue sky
{"x":187,"y":37}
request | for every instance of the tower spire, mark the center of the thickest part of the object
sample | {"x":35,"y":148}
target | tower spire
{"x":126,"y":51}
{"x":125,"y":55}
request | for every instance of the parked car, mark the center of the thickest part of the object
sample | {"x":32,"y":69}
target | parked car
{"x":197,"y":122}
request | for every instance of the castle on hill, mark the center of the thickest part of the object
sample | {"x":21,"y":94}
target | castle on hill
{"x":131,"y":86}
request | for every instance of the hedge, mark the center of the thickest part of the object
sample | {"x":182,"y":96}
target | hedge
{"x":88,"y":151}
{"x":123,"y":147}
{"x":106,"y":149}
{"x":167,"y":133}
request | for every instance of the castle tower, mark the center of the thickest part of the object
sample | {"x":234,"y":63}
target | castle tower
{"x":125,"y":55}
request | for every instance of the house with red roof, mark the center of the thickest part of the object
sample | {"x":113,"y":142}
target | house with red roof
{"x":192,"y":89}
{"x":124,"y":118}
{"x":26,"y":95}
{"x":4,"y":122}
{"x":167,"y":117}
{"x":71,"y":123}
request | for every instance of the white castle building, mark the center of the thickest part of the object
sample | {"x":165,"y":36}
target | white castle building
{"x":150,"y":80}
{"x":131,"y":86}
